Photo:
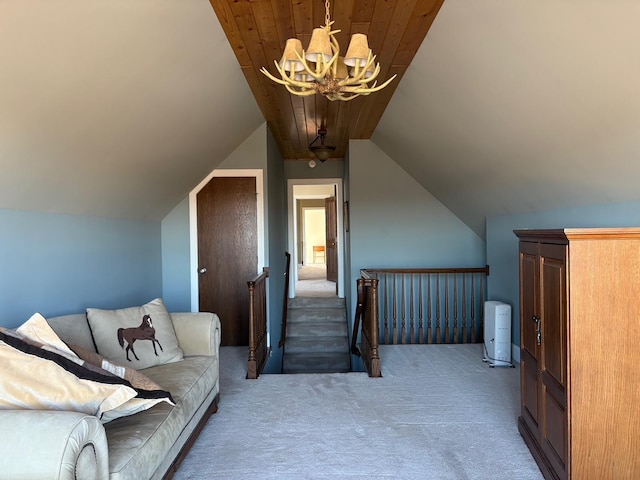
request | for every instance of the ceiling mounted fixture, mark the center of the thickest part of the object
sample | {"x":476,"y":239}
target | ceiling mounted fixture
{"x":321,"y":151}
{"x":322,"y":70}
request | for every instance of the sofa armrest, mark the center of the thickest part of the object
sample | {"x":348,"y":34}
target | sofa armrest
{"x":52,"y":444}
{"x":198,"y":333}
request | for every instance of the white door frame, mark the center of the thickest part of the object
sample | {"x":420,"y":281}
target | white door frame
{"x":193,"y":224}
{"x":292,"y":224}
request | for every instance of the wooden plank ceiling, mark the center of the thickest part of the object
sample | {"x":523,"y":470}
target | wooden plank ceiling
{"x":258,"y":29}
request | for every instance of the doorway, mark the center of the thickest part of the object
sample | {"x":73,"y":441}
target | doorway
{"x":314,"y":241}
{"x":227,"y":252}
{"x":214,"y":191}
{"x":312,"y":253}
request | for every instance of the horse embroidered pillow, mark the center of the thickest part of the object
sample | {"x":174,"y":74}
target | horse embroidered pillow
{"x":138,"y":337}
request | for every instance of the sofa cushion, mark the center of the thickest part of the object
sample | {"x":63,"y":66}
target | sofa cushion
{"x":73,"y":329}
{"x":138,"y":336}
{"x":139,"y":443}
{"x":43,"y":373}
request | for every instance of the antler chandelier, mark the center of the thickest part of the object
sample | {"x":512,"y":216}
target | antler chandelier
{"x":322,"y":70}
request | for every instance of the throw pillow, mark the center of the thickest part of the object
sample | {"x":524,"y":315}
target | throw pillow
{"x":41,"y":376}
{"x":37,"y":329}
{"x":149,"y":393}
{"x":138,"y":380}
{"x":35,"y":378}
{"x":140,"y":337}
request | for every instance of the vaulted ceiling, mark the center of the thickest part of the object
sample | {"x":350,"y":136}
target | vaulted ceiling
{"x":118,"y":108}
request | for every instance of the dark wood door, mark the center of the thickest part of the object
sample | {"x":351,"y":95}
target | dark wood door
{"x":529,"y":351}
{"x":553,"y":356}
{"x":227,"y":252}
{"x":331,"y":230}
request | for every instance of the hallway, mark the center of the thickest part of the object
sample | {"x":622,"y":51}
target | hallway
{"x":312,"y":282}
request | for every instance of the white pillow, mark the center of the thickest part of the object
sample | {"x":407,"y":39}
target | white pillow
{"x":38,"y":330}
{"x":38,"y":376}
{"x":35,"y":378}
{"x":139,"y":337}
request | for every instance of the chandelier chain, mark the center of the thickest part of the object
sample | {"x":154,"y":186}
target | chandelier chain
{"x":327,"y":17}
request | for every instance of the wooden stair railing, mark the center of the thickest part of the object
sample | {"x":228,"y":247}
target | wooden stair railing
{"x":258,"y":347}
{"x":285,"y":308}
{"x":285,"y":305}
{"x":417,"y":305}
{"x":366,"y":320}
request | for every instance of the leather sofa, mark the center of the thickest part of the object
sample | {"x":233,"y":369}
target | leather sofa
{"x":64,"y":445}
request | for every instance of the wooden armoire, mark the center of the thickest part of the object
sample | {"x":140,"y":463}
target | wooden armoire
{"x":580,"y":351}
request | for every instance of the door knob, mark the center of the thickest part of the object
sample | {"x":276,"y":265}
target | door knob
{"x":202,"y":270}
{"x":536,"y":319}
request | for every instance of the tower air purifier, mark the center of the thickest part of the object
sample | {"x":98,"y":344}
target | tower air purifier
{"x":497,"y":334}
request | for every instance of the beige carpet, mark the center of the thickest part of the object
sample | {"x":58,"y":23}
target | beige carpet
{"x":312,"y":282}
{"x":313,"y":271}
{"x":438,"y":413}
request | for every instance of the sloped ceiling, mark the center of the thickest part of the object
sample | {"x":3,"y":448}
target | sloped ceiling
{"x":120,"y":107}
{"x":513,"y":107}
{"x":115,"y":107}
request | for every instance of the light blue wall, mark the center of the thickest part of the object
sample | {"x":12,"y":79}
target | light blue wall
{"x":60,"y":264}
{"x":277,"y":245}
{"x":295,"y":169}
{"x":176,"y":277}
{"x":176,"y":273}
{"x":395,"y":222}
{"x":502,"y":244}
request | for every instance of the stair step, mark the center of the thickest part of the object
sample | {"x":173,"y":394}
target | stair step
{"x":316,"y":302}
{"x":317,"y":336}
{"x":316,"y":363}
{"x":318,"y":329}
{"x":317,"y":315}
{"x":316,"y":344}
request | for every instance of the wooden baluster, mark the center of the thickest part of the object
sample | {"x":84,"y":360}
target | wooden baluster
{"x":395,"y":312}
{"x":421,"y":328}
{"x":455,"y":308}
{"x":403,"y":309}
{"x":412,"y":331}
{"x":386,"y":310}
{"x":429,"y":330}
{"x":473,"y":309}
{"x":252,"y":364}
{"x":457,"y":323}
{"x":375,"y":367}
{"x":446,"y":308}
{"x":481,"y":326}
{"x":464,"y":308}
{"x":438,"y":339}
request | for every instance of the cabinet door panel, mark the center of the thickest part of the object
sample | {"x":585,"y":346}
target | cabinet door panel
{"x":529,"y":292}
{"x":529,"y":391}
{"x":529,"y":297}
{"x":553,"y":356}
{"x":554,"y":312}
{"x":554,"y":433}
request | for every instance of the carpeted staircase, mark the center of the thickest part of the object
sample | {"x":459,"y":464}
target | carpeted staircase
{"x":317,"y":338}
